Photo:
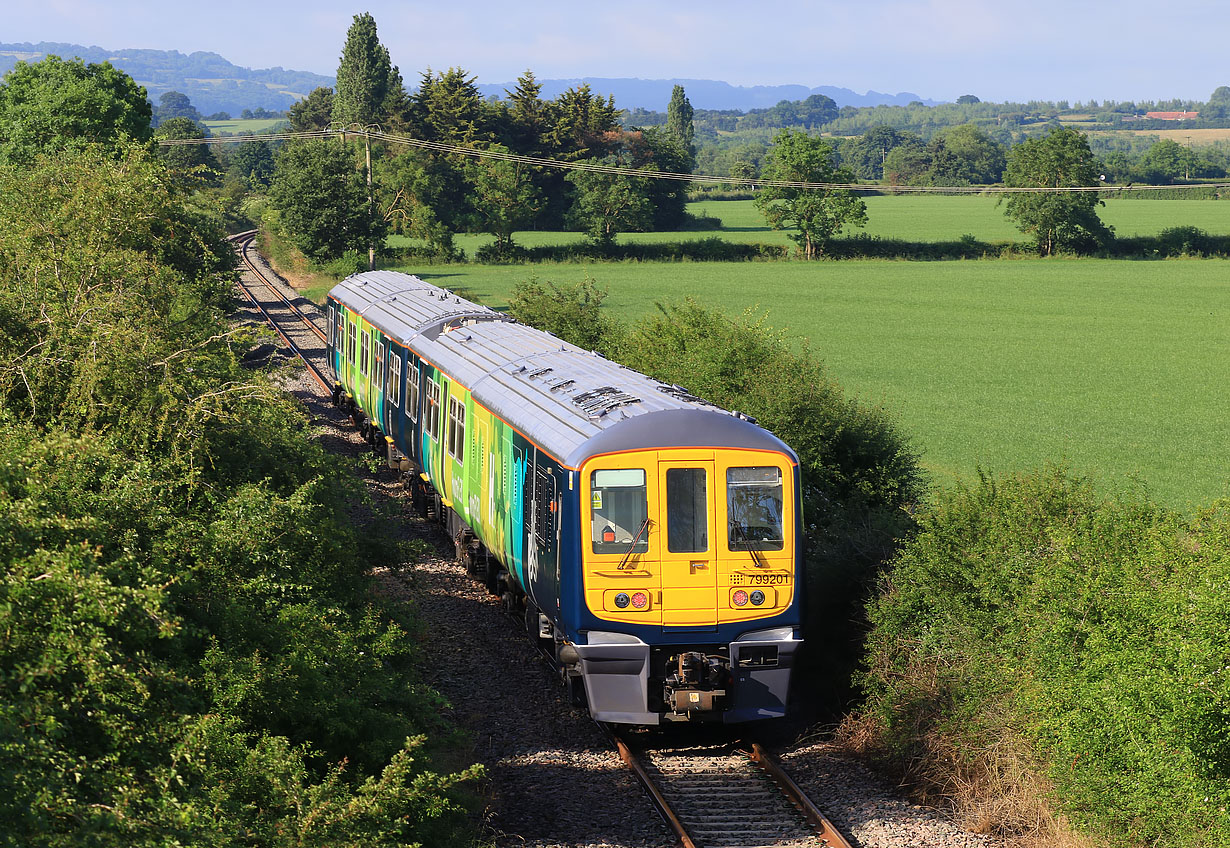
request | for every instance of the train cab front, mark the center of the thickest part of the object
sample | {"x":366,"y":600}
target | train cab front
{"x":691,"y":584}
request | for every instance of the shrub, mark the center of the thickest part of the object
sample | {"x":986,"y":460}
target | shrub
{"x":1091,"y":629}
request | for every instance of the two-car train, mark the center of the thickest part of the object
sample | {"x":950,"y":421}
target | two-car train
{"x":651,"y":539}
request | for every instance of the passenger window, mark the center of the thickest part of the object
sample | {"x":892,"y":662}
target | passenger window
{"x":412,"y":393}
{"x":754,"y":506}
{"x":687,"y":510}
{"x":364,"y":354}
{"x":350,"y":334}
{"x":620,"y":511}
{"x":331,"y":321}
{"x":395,"y":379}
{"x":432,"y":424}
{"x":456,"y":428}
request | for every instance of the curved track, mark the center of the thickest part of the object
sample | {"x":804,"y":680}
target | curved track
{"x":299,"y":330}
{"x":727,"y":795}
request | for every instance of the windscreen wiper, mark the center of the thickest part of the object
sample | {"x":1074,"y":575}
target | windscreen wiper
{"x":632,"y":547}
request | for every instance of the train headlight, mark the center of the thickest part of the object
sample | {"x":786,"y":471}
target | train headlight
{"x":622,"y":600}
{"x":640,"y":600}
{"x":757,"y":598}
{"x":739,"y":598}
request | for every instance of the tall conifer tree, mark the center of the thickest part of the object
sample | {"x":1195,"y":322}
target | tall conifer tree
{"x":679,"y":119}
{"x":362,"y":76}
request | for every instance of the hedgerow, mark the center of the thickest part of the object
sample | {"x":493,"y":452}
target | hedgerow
{"x":1089,"y":631}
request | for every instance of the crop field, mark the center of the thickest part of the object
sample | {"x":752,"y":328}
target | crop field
{"x":1196,"y":137}
{"x":1114,"y":367}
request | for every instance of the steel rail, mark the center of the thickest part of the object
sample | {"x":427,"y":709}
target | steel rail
{"x":269,"y":319}
{"x":245,"y":241}
{"x":655,"y":794}
{"x":824,"y":827}
{"x":700,"y":789}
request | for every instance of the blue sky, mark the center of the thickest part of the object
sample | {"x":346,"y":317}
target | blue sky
{"x":939,"y":49}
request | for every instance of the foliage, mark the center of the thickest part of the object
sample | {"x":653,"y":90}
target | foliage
{"x":679,"y":114}
{"x":818,"y":213}
{"x":189,"y":650}
{"x":1057,"y":220}
{"x":252,"y":162}
{"x":572,"y":311}
{"x":314,"y":112}
{"x":506,"y":197}
{"x":322,"y":199}
{"x":1093,"y":628}
{"x":193,"y":163}
{"x":607,"y":204}
{"x":56,"y":105}
{"x":174,"y":104}
{"x":362,"y":75}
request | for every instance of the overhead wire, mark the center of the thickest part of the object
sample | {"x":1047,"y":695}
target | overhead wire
{"x":651,"y":173}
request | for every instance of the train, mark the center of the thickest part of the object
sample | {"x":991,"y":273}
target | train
{"x":650,"y":540}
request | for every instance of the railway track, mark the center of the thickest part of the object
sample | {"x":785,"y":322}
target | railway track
{"x":727,"y":795}
{"x":718,"y":795}
{"x":299,"y":331}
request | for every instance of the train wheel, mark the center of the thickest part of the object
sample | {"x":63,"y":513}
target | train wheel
{"x":575,"y":686}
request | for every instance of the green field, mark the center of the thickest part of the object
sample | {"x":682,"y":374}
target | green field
{"x":1116,"y":367}
{"x":910,"y":218}
{"x":243,"y":127}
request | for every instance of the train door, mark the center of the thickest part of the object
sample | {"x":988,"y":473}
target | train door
{"x":413,"y":382}
{"x":334,"y":338}
{"x":392,"y":393}
{"x":364,"y":380}
{"x":688,"y":547}
{"x":379,"y":399}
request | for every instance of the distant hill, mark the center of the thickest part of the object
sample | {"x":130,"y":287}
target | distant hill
{"x":706,"y":94}
{"x":211,"y":82}
{"x":216,"y":85}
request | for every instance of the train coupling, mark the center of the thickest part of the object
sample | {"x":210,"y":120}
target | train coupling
{"x":697,"y":683}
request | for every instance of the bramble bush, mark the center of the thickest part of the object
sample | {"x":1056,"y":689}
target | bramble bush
{"x":1090,"y":629}
{"x":189,"y":650}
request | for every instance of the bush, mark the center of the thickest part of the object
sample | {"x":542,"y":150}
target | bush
{"x":571,"y":311}
{"x":191,"y":653}
{"x":1090,"y":629}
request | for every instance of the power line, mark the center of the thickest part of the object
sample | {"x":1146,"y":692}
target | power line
{"x":649,"y":173}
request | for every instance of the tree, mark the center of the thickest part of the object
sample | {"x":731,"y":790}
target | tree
{"x":252,"y":162}
{"x":507,"y":197}
{"x":1165,"y":162}
{"x":312,"y":113}
{"x":679,"y":125}
{"x":1218,"y":107}
{"x":816,"y":110}
{"x":866,"y":155}
{"x":194,"y":163}
{"x":55,"y":105}
{"x":1057,"y":220}
{"x":608,"y":204}
{"x":967,"y":100}
{"x":817,"y":213}
{"x":362,"y":76}
{"x":173,"y":104}
{"x":322,"y":199}
{"x":965,"y":155}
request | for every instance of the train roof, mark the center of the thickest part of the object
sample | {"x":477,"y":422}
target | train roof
{"x":571,"y":402}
